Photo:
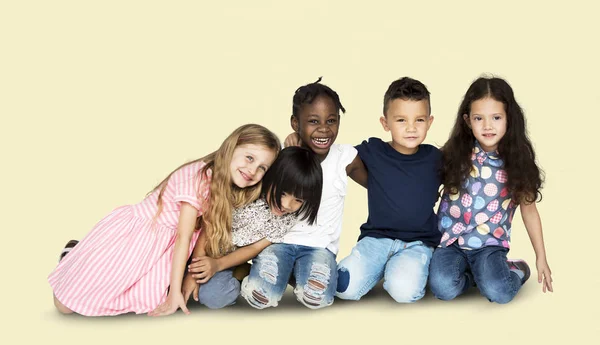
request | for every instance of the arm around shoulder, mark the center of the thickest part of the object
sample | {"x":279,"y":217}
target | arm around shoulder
{"x":185,"y":229}
{"x":357,"y":171}
{"x":205,"y":267}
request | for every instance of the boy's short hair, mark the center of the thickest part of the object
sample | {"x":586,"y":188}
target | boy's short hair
{"x":407,"y":89}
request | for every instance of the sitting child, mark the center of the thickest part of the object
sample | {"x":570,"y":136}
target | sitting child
{"x":291,"y":191}
{"x":397,"y":241}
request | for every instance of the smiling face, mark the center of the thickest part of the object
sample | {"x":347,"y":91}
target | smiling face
{"x":487,"y":119}
{"x":249,"y":164}
{"x":317,"y":124}
{"x":408,"y":121}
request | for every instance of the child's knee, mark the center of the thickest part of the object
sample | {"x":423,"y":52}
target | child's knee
{"x":405,"y":291}
{"x":218,"y":302}
{"x":61,"y":307}
{"x":497,"y":293}
{"x":443,"y":285}
{"x":352,"y":274}
{"x":319,"y":288}
{"x":226,"y":294}
{"x":343,"y":289}
{"x":258,"y":293}
{"x":343,"y":280}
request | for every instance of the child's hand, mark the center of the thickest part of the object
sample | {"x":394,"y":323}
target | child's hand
{"x":174,"y":301}
{"x":204,"y":268}
{"x":544,"y":275}
{"x":189,"y":287}
{"x":292,"y":140}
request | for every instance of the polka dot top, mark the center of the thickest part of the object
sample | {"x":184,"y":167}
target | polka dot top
{"x":481,"y":214}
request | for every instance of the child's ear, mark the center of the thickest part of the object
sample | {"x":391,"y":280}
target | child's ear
{"x":383,"y":122}
{"x":429,"y":121}
{"x":466,"y":118}
{"x":294,"y":123}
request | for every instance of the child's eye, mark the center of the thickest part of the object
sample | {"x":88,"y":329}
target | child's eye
{"x":497,"y":117}
{"x":400,"y":120}
{"x":331,"y":121}
{"x":420,"y":120}
{"x":300,"y":201}
{"x":476,"y":118}
{"x":312,"y":121}
{"x":250,"y":158}
{"x":264,"y":168}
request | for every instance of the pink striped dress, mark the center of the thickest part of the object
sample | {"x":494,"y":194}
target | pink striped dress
{"x":124,"y":263}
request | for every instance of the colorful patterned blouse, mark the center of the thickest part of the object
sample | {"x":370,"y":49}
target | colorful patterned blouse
{"x":481,"y":214}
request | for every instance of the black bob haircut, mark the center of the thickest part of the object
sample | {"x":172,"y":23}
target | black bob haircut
{"x":296,"y":171}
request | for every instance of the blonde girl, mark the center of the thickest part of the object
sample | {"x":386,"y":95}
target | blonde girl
{"x":134,"y":259}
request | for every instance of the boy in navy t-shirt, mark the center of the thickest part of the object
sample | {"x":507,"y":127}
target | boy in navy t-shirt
{"x":398,"y":239}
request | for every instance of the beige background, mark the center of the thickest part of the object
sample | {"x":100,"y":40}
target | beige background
{"x":100,"y":100}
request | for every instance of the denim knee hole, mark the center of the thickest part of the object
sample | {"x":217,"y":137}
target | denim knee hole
{"x":317,"y":284}
{"x":268,"y":268}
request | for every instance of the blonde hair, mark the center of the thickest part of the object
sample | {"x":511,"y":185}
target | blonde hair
{"x":224,"y":195}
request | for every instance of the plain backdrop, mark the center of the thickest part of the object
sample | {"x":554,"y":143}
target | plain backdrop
{"x":100,"y":100}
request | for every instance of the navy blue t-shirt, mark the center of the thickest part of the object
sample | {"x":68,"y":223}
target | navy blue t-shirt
{"x":402,"y":191}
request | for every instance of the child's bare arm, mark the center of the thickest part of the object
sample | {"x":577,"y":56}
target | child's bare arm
{"x":203,"y":268}
{"x":533,"y":224}
{"x":200,"y":247}
{"x":292,"y":140}
{"x":189,"y":287}
{"x":357,"y":171}
{"x":185,"y":229}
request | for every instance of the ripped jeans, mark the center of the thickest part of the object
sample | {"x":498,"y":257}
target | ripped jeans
{"x":314,"y":269}
{"x":404,"y":266}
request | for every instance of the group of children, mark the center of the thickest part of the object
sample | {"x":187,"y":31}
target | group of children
{"x":282,"y":209}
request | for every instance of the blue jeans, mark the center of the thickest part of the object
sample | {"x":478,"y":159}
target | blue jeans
{"x":454,"y":270}
{"x":220,"y":291}
{"x":403,"y":266}
{"x":314,"y":272}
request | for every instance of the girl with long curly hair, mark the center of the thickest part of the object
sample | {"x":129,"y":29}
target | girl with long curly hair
{"x":489,"y":171}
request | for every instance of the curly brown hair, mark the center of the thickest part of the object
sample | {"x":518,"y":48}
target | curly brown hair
{"x":525,"y":178}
